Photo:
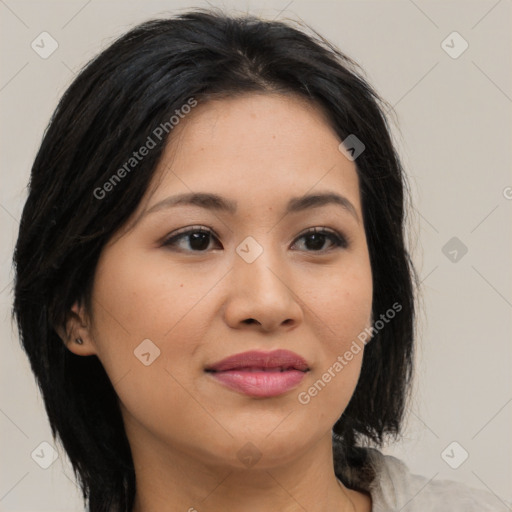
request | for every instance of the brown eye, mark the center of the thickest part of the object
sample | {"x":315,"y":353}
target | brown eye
{"x":317,"y":237}
{"x":197,"y":240}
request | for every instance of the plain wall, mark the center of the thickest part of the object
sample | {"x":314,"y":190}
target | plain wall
{"x":454,"y":118}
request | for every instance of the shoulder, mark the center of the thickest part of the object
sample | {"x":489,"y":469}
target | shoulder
{"x":396,"y":488}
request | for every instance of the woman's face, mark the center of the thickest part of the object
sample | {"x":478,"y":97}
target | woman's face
{"x":166,"y":308}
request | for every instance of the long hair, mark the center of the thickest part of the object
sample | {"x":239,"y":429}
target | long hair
{"x":107,"y":113}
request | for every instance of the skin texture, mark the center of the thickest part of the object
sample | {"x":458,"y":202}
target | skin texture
{"x":186,"y":429}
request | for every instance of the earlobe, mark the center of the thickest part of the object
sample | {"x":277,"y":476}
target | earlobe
{"x":75,"y":334}
{"x":80,"y":348}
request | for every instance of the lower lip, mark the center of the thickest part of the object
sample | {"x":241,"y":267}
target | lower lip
{"x":260,"y":383}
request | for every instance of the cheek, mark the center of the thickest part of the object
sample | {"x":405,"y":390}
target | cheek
{"x":134,"y":307}
{"x":139,"y":297}
{"x":343,"y":301}
{"x":146,"y":329}
{"x":343,"y":307}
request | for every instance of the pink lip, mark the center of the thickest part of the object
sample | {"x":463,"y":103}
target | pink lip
{"x":260,"y":374}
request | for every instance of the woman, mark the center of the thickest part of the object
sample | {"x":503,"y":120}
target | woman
{"x":212,"y":284}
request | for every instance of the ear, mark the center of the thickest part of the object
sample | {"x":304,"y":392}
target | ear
{"x":76,"y":327}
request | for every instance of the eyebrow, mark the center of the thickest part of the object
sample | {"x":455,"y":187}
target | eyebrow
{"x":218,"y":203}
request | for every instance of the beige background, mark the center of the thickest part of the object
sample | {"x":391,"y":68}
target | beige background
{"x":455,"y":140}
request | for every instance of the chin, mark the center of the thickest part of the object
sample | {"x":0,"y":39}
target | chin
{"x":261,"y":448}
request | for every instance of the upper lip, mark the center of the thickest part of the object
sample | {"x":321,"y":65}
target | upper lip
{"x":283,"y":359}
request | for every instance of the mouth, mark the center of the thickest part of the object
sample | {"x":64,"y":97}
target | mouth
{"x":260,"y":374}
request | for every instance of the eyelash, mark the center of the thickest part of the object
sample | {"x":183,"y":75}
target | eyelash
{"x":337,"y":239}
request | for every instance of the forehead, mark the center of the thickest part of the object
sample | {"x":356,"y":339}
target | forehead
{"x":256,"y":149}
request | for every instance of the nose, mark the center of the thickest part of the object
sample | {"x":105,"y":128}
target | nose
{"x":262,"y":296}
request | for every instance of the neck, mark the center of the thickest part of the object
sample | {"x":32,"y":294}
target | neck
{"x":170,"y":480}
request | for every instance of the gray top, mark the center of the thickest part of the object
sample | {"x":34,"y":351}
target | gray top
{"x":395,"y":488}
